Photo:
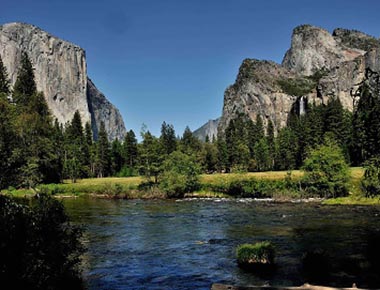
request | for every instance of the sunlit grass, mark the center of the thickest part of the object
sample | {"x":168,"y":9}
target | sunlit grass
{"x":128,"y":186}
{"x":268,"y":175}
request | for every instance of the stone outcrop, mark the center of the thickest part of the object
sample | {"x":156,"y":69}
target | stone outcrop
{"x":61,"y":74}
{"x":210,"y":130}
{"x":329,"y":65}
{"x":102,"y":110}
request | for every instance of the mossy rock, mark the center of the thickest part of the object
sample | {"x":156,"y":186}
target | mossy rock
{"x":258,"y":256}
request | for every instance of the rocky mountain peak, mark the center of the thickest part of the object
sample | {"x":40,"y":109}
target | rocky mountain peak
{"x":318,"y":66}
{"x":210,"y":130}
{"x":312,"y":49}
{"x":355,"y":39}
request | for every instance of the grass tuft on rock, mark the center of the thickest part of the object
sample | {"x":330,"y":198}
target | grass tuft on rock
{"x":258,"y":254}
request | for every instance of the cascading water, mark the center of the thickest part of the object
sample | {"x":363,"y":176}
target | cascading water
{"x":302,"y":105}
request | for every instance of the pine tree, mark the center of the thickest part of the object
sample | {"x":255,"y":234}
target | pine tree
{"x":262,"y":155}
{"x":58,"y":141}
{"x":90,"y":151}
{"x":4,"y":81}
{"x":9,"y":146}
{"x":366,"y":124}
{"x":167,"y":138}
{"x":117,"y":159}
{"x":260,"y":133}
{"x":236,"y":137}
{"x":151,"y":156}
{"x":209,"y":157}
{"x":188,"y":143}
{"x":130,"y":152}
{"x":338,"y":121}
{"x":222,"y":163}
{"x":76,"y":161}
{"x":88,"y":134}
{"x":25,"y":85}
{"x":271,"y":143}
{"x":286,"y":149}
{"x":314,"y":126}
{"x":34,"y":128}
{"x":103,"y":158}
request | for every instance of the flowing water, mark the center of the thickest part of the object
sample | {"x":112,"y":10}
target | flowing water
{"x":190,"y":244}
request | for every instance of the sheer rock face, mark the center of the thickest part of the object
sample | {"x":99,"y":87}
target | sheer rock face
{"x":210,"y":130}
{"x":61,"y":74}
{"x":345,"y":56}
{"x":103,"y":110}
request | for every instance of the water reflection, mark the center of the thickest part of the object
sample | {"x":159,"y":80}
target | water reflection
{"x":191,"y":244}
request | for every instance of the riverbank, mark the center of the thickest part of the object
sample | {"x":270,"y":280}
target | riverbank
{"x":277,"y":185}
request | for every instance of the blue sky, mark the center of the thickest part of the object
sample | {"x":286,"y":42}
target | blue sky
{"x":171,"y":60}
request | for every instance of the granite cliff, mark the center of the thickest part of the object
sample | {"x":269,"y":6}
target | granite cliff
{"x":61,"y":74}
{"x":210,"y":130}
{"x":318,"y":66}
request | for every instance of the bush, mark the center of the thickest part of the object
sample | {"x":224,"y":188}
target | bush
{"x":261,"y":253}
{"x":326,"y":172}
{"x":126,"y":171}
{"x":371,"y":180}
{"x":180,"y":175}
{"x":39,"y":247}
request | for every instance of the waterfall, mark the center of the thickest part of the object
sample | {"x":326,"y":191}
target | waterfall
{"x":302,"y":105}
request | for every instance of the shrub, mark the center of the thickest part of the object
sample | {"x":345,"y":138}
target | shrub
{"x":261,"y":253}
{"x":326,"y":171}
{"x":371,"y":180}
{"x":39,"y":247}
{"x":180,"y":175}
{"x":126,"y":171}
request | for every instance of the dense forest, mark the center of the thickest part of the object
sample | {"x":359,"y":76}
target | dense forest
{"x":35,"y":148}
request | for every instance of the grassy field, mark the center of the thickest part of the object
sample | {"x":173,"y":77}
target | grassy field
{"x":212,"y":185}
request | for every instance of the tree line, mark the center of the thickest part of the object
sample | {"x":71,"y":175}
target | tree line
{"x":35,"y":148}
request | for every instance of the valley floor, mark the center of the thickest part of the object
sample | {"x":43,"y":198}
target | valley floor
{"x":212,"y":185}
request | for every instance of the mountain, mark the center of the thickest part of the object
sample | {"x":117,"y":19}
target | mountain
{"x":61,"y":74}
{"x":318,"y":66}
{"x":209,"y":129}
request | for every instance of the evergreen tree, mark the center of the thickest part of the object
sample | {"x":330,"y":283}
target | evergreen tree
{"x":236,"y":137}
{"x":260,"y":133}
{"x":188,"y":143}
{"x":90,"y":151}
{"x":338,"y":122}
{"x":209,"y":157}
{"x":58,"y":141}
{"x":262,"y":155}
{"x":222,"y":162}
{"x":9,"y":146}
{"x":34,"y":128}
{"x":117,"y":160}
{"x":366,"y":124}
{"x":314,"y":126}
{"x":130,"y":152}
{"x":25,"y":85}
{"x":103,"y":156}
{"x":167,"y":138}
{"x":4,"y":81}
{"x":286,"y":149}
{"x":151,"y":156}
{"x":76,"y":163}
{"x":271,"y":143}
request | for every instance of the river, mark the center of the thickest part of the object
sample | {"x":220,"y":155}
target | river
{"x":190,"y":244}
